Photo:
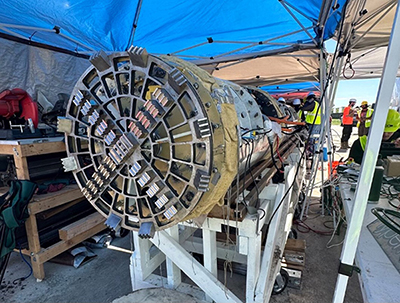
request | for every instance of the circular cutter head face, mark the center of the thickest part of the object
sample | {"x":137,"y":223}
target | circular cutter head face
{"x":140,"y":139}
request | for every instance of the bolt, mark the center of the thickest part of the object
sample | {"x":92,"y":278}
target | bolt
{"x":196,"y":86}
{"x":215,"y":170}
{"x":208,"y":104}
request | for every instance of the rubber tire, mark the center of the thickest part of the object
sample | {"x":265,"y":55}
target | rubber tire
{"x":277,"y":289}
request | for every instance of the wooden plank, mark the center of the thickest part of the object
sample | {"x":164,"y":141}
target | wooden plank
{"x":49,"y":213}
{"x":173,"y":272}
{"x":294,"y":257}
{"x":296,"y":245}
{"x":221,"y":212}
{"x":21,"y":167}
{"x":210,"y":254}
{"x":42,"y":148}
{"x":34,"y":246}
{"x":72,"y":230}
{"x":8,"y":149}
{"x":61,"y":246}
{"x":48,"y":201}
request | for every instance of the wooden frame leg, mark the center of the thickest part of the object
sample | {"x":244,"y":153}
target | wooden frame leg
{"x":210,"y":254}
{"x":253,"y":266}
{"x":34,"y":247}
{"x":21,"y":167}
{"x":173,"y":271}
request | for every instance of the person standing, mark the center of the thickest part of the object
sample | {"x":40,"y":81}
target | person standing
{"x":347,"y":123}
{"x":312,"y":113}
{"x":391,"y":126}
{"x":311,"y":110}
{"x":364,"y":117}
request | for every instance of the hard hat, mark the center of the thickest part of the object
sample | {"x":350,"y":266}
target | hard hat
{"x":310,"y":95}
{"x":392,"y":121}
{"x":282,"y":100}
{"x":353,"y":100}
{"x":296,"y":102}
{"x":364,"y":103}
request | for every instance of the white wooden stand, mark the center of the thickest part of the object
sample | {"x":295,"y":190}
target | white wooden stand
{"x":175,"y":244}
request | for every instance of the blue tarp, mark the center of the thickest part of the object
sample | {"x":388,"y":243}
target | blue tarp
{"x":292,"y":88}
{"x":164,"y":26}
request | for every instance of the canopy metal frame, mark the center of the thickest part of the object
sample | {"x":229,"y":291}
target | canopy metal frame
{"x":370,"y":157}
{"x":7,"y":28}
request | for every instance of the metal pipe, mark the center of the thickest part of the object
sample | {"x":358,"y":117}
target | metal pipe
{"x":370,"y":157}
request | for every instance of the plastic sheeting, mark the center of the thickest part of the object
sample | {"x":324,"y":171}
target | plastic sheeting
{"x":35,"y":69}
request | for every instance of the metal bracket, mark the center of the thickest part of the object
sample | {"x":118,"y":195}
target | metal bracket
{"x":347,"y":270}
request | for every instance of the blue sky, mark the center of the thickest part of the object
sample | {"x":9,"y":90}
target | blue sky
{"x":359,"y":89}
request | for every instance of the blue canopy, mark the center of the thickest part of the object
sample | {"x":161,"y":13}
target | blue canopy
{"x":292,"y":88}
{"x":216,"y":28}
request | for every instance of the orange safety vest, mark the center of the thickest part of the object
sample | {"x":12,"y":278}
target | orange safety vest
{"x":347,"y":120}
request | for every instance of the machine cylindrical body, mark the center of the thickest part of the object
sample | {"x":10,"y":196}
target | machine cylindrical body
{"x":157,"y":140}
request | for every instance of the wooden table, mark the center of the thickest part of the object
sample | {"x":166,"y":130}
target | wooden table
{"x":70,"y":235}
{"x":21,"y":149}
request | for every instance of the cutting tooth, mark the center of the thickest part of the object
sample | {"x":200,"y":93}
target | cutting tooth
{"x":170,"y":212}
{"x":94,"y":117}
{"x":109,"y":139}
{"x":134,"y":169}
{"x":144,"y":179}
{"x":153,"y":189}
{"x":161,"y":201}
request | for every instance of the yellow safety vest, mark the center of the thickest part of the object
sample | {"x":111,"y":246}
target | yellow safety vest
{"x":368,"y":115}
{"x":299,"y":113}
{"x":311,"y":115}
{"x":363,"y":142}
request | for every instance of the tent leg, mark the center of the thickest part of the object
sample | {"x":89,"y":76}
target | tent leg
{"x":385,"y":90}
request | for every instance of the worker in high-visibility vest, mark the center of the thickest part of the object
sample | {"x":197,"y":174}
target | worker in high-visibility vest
{"x":347,"y":124}
{"x":364,"y":117}
{"x":312,"y":113}
{"x":391,"y":126}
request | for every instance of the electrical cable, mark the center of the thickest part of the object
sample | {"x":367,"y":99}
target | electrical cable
{"x":383,"y":215}
{"x":336,"y":53}
{"x":18,"y":280}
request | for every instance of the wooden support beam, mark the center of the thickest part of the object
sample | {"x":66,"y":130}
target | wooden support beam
{"x":193,"y":269}
{"x":72,"y":230}
{"x":21,"y":167}
{"x":50,"y":252}
{"x":50,"y":200}
{"x":34,"y":246}
{"x":173,"y":271}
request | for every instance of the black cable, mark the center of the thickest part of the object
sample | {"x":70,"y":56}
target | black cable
{"x":30,"y":267}
{"x":383,"y":215}
{"x":315,"y":118}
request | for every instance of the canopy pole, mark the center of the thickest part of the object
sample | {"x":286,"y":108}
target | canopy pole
{"x":317,"y":147}
{"x":373,"y":25}
{"x":135,"y":22}
{"x":298,"y":21}
{"x":360,"y":200}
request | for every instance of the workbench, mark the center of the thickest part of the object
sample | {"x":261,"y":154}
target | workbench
{"x":379,"y":279}
{"x":24,"y":148}
{"x":70,"y":235}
